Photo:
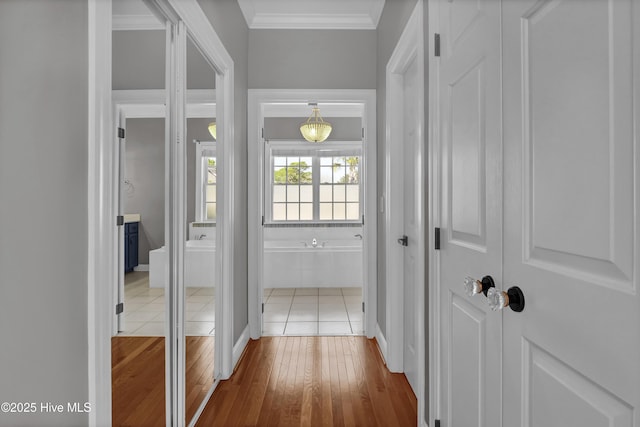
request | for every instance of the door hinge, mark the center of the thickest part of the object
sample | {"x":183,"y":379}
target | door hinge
{"x":436,"y":238}
{"x":362,"y":219}
{"x":121,"y":133}
{"x":362,"y":133}
{"x":262,"y":219}
{"x":120,"y":220}
{"x":363,"y":306}
{"x":436,"y":423}
{"x":120,"y":308}
{"x":262,"y":133}
{"x":436,"y":44}
{"x":263,"y":307}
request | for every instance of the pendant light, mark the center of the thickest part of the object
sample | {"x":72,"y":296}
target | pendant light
{"x":315,"y":129}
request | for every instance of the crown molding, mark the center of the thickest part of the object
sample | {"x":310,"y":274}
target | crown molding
{"x":136,"y":22}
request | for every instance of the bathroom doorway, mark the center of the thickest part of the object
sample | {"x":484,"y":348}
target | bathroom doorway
{"x":313,"y":248}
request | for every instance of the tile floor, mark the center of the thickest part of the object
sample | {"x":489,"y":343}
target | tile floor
{"x":144,"y":308}
{"x":312,"y":311}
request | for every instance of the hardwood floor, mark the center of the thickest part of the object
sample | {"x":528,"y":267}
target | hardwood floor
{"x":137,"y":375}
{"x":312,"y":381}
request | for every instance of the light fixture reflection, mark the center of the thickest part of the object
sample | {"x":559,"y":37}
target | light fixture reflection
{"x":212,"y":130}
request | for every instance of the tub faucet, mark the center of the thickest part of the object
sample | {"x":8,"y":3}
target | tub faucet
{"x":314,"y":242}
{"x":202,"y":236}
{"x":359,"y":236}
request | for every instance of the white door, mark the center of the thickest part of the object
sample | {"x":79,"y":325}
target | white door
{"x":571,"y":73}
{"x":411,"y":214}
{"x":468,"y":93}
{"x":567,"y":233}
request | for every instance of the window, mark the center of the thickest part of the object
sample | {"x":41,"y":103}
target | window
{"x":206,"y":181}
{"x":313,"y":184}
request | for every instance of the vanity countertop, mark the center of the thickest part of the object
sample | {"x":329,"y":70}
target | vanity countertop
{"x":131,"y":218}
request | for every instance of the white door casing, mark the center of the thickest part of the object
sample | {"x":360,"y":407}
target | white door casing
{"x":471,"y":229}
{"x":567,"y":167}
{"x":571,"y":91}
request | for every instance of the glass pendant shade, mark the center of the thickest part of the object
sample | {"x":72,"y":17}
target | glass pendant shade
{"x":212,"y":129}
{"x":315,"y":129}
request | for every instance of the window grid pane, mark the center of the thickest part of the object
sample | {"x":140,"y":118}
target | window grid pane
{"x":338,"y":188}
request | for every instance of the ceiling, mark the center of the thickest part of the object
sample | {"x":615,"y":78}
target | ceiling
{"x":312,"y":14}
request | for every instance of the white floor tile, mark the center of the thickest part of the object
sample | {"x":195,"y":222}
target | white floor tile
{"x":330,"y":291}
{"x":352,"y":291}
{"x":331,"y":299}
{"x":140,"y":316}
{"x":338,"y":328}
{"x":206,"y":299}
{"x":146,"y":307}
{"x":307,"y":291}
{"x":275,"y":316}
{"x":277,"y":292}
{"x":303,"y":315}
{"x":349,"y":299}
{"x":355,"y":316}
{"x":202,"y":316}
{"x":301,"y":328}
{"x":277,"y":308}
{"x":331,"y":313}
{"x":205,"y":291}
{"x":356,"y":328}
{"x":130,"y":327}
{"x":280,"y":299}
{"x":198,"y":328}
{"x":151,"y":329}
{"x":195,"y":306}
{"x":273,"y":328}
{"x":305,"y":299}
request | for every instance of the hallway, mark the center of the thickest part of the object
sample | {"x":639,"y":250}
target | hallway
{"x":312,"y":381}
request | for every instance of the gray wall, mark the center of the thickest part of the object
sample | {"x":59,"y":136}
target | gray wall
{"x":394,"y":18}
{"x":43,"y":207}
{"x":228,"y":22}
{"x":344,"y":128}
{"x":312,"y":59}
{"x":145,"y":170}
{"x":139,"y":62}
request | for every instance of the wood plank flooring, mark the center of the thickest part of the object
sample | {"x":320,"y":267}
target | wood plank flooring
{"x":312,"y":381}
{"x":137,"y":375}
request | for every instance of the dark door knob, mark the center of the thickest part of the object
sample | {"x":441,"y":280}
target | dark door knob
{"x":404,"y":241}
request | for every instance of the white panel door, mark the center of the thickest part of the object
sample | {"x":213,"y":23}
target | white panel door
{"x":468,"y":100}
{"x":411,"y":177}
{"x":571,"y":119}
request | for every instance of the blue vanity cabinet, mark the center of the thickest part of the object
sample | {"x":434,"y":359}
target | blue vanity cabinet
{"x":130,"y":246}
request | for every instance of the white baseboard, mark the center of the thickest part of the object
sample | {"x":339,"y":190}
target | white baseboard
{"x":382,"y":343}
{"x":240,"y":345}
{"x":141,"y":267}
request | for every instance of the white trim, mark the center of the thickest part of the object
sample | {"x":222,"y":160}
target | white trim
{"x":410,"y":47}
{"x":259,"y":99}
{"x":435,"y":380}
{"x":382,"y":343}
{"x":100,"y":213}
{"x":136,"y":22}
{"x":141,"y":267}
{"x":240,"y":345}
{"x":151,"y":103}
{"x":295,"y":14}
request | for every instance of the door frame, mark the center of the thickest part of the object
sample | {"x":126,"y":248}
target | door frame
{"x":102,"y":207}
{"x":269,"y":99}
{"x":410,"y":47}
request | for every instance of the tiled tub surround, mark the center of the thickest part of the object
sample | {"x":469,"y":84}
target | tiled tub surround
{"x":314,"y":257}
{"x":144,"y":308}
{"x":312,"y":311}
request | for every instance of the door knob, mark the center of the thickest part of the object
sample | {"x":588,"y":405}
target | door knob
{"x":404,"y":241}
{"x":473,"y":286}
{"x":514,"y":298}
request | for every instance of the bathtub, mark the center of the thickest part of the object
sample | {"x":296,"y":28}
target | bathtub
{"x":296,"y":264}
{"x":199,"y":265}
